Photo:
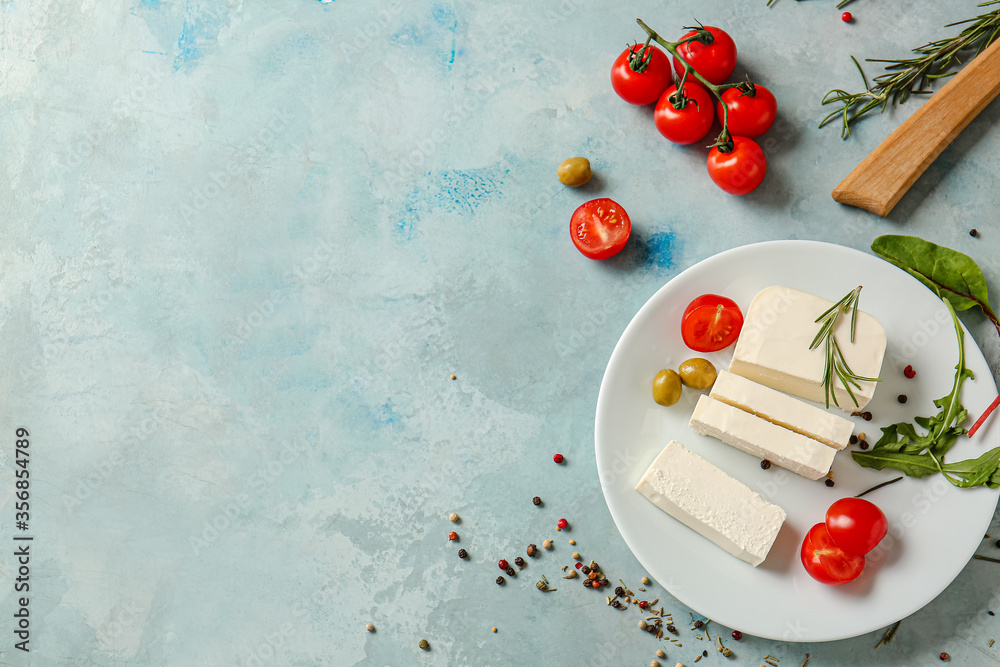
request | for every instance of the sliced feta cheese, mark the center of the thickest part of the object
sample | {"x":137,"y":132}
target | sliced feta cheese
{"x":709,"y":501}
{"x":759,"y":437}
{"x":782,"y":409}
{"x":773,"y":347}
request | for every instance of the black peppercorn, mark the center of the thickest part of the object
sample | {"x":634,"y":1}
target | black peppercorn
{"x":973,"y":233}
{"x":532,"y":550}
{"x":595,"y":567}
{"x":588,"y":583}
{"x":765,"y":464}
{"x":829,"y":482}
{"x":619,"y":591}
{"x":864,"y":444}
{"x":462,"y":553}
{"x":510,"y":572}
{"x":519,"y":561}
{"x":585,"y":569}
{"x":672,"y":628}
{"x":616,"y":604}
{"x":500,"y":581}
{"x":699,"y":623}
{"x":854,"y":439}
{"x":901,"y":398}
{"x":536,"y":500}
{"x":867,"y":416}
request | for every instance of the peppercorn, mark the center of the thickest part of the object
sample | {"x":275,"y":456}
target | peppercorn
{"x":909,"y":372}
{"x":704,"y":653}
{"x":765,"y":464}
{"x":562,"y":523}
{"x":642,"y":625}
{"x":643,"y":604}
{"x":588,"y":583}
{"x":854,"y":440}
{"x":864,"y":445}
{"x":699,"y":623}
{"x":998,"y":543}
{"x":654,"y":663}
{"x":592,"y":575}
{"x":532,"y":550}
{"x":558,"y":458}
{"x":453,"y":377}
{"x":424,"y":644}
{"x":572,"y":543}
{"x":660,"y":653}
{"x":585,"y":569}
{"x":901,"y":398}
{"x":575,"y":556}
{"x":737,"y":635}
{"x":830,"y":482}
{"x":991,"y":613}
{"x":370,"y":628}
{"x":616,"y":604}
{"x":645,"y":581}
{"x":519,"y":561}
{"x":547,"y":544}
{"x":867,"y":416}
{"x":597,"y":583}
{"x":672,"y":628}
{"x":944,"y":656}
{"x":594,"y":566}
{"x":619,"y":591}
{"x":462,"y":553}
{"x":536,"y":500}
{"x":500,"y":581}
{"x":510,"y":572}
{"x":503,"y":564}
{"x":973,"y":233}
{"x":726,"y":652}
{"x":453,"y":536}
{"x":453,"y":517}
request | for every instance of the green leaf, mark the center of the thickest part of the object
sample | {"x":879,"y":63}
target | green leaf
{"x":948,"y":273}
{"x":913,"y":465}
{"x":975,"y":472}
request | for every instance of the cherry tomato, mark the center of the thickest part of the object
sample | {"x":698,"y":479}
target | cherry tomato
{"x":643,"y":87}
{"x":711,"y":322}
{"x":600,"y":228}
{"x":715,"y":61}
{"x":825,"y":561}
{"x":687,"y":125}
{"x":856,"y":525}
{"x":749,"y":115}
{"x":739,"y":171}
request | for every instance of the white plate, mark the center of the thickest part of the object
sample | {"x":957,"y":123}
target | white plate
{"x":934,"y":527}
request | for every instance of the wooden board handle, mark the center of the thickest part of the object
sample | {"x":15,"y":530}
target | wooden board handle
{"x":887,"y":173}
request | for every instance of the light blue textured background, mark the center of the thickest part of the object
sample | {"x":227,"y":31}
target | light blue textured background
{"x":245,"y":244}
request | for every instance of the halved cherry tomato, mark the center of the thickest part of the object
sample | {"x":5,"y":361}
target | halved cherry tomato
{"x":600,"y":228}
{"x":856,"y":525}
{"x":750,"y":115}
{"x":687,"y":125}
{"x":826,"y":562}
{"x":643,"y":87}
{"x":711,"y":322}
{"x":739,"y":171}
{"x":715,"y":61}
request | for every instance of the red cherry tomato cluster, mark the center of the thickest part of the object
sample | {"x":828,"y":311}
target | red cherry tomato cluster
{"x":703,"y":59}
{"x":834,"y":551}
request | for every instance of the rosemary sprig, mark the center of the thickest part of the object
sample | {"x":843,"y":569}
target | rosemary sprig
{"x":912,"y":76}
{"x":836,"y":365}
{"x":840,"y":5}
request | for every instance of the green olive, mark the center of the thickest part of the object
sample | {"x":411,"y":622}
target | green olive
{"x":574,"y":172}
{"x":667,"y":387}
{"x":698,"y":373}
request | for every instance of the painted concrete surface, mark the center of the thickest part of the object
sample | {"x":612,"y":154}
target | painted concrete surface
{"x":245,"y":246}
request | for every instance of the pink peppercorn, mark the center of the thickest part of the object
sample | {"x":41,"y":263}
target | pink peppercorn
{"x":558,"y":458}
{"x":562,"y":524}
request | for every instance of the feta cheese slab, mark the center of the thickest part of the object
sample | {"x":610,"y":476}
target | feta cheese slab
{"x":773,"y":347}
{"x":712,"y":503}
{"x":759,"y":437}
{"x":782,"y":409}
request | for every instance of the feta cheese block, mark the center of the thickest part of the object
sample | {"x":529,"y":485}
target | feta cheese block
{"x":759,"y":437}
{"x":783,"y":410}
{"x":773,"y":347}
{"x":712,"y":503}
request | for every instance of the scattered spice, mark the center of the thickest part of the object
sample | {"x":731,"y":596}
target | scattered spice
{"x":562,"y":523}
{"x":727,"y":652}
{"x":830,"y":482}
{"x":453,"y":536}
{"x":616,"y":604}
{"x":424,"y":644}
{"x":547,"y":544}
{"x":909,"y":372}
{"x":576,"y":556}
{"x":642,"y":624}
{"x":697,"y":657}
{"x":619,"y":591}
{"x":643,"y":604}
{"x":462,"y":553}
{"x":765,"y":464}
{"x":558,"y":458}
{"x":503,"y":564}
{"x":862,"y":436}
{"x":645,"y":581}
{"x":452,"y":377}
{"x":572,"y":543}
{"x":654,"y":663}
{"x":973,"y":232}
{"x":991,"y":643}
{"x":867,"y":416}
{"x":579,"y":566}
{"x":854,"y":440}
{"x":992,"y":560}
{"x":453,"y":517}
{"x":571,"y":575}
{"x":887,"y":637}
{"x":592,"y":575}
{"x":660,"y":653}
{"x":532,"y":550}
{"x":672,"y":628}
{"x":699,"y":623}
{"x":901,"y":398}
{"x":737,"y":635}
{"x":510,"y":572}
{"x":370,"y":628}
{"x":864,"y":445}
{"x":494,"y":628}
{"x":991,"y":613}
{"x":519,"y":562}
{"x":536,"y":500}
{"x":597,"y":583}
{"x":806,"y":661}
{"x":500,"y":581}
{"x":585,"y":569}
{"x":944,"y":656}
{"x":588,"y":583}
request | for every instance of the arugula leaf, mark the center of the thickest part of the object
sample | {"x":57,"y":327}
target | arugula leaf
{"x":951,"y":275}
{"x":916,"y":455}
